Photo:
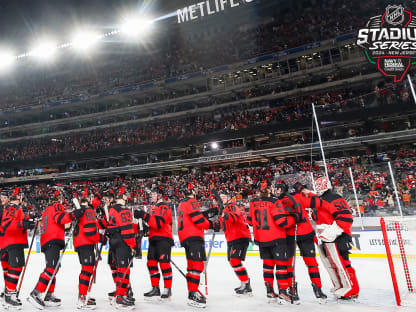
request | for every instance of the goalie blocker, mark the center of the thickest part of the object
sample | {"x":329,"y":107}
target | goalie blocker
{"x":334,"y":219}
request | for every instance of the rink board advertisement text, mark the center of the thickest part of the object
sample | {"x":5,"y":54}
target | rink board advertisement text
{"x":367,"y":244}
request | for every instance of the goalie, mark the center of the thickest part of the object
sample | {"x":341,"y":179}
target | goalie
{"x":334,"y":219}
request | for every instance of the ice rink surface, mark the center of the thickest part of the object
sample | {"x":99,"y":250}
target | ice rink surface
{"x":373,"y":275}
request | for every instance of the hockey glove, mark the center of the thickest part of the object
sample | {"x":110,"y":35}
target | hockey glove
{"x":295,"y":216}
{"x":77,"y":213}
{"x":141,"y":214}
{"x":210,"y":213}
{"x":215,"y":225}
{"x":329,"y":233}
{"x":298,"y":187}
{"x":28,"y":224}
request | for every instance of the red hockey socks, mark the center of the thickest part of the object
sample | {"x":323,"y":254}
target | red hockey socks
{"x":239,"y":269}
{"x":114,"y":273}
{"x":194,"y":269}
{"x":167,"y":274}
{"x":12,"y":278}
{"x":123,"y":284}
{"x":268,"y":270}
{"x":313,"y":270}
{"x":5,"y":265}
{"x":84,"y":278}
{"x":281,"y":274}
{"x":154,"y":272}
{"x":44,"y":279}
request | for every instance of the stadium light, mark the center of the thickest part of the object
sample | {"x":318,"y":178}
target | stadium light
{"x":84,"y":41}
{"x":133,"y":26}
{"x":45,"y":50}
{"x":214,"y":145}
{"x":6,"y":60}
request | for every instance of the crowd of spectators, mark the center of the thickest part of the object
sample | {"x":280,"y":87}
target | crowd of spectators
{"x":172,"y":55}
{"x":372,"y":181}
{"x":232,"y":118}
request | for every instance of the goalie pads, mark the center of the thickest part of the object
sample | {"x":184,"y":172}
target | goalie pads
{"x":338,"y":273}
{"x":329,"y":233}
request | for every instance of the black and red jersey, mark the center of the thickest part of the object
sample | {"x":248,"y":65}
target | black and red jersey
{"x":160,"y":222}
{"x":234,"y":225}
{"x":269,"y":220}
{"x":86,"y":229}
{"x":54,"y":219}
{"x":121,"y":220}
{"x":292,"y":207}
{"x":330,"y":207}
{"x":12,"y":233}
{"x":305,"y":229}
{"x":191,"y":221}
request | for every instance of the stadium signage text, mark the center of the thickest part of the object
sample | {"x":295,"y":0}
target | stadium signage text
{"x":389,"y":41}
{"x":206,"y":8}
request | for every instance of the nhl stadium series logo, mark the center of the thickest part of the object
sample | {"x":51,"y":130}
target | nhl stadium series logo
{"x":389,"y":41}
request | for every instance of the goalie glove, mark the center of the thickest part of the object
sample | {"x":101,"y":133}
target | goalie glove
{"x":329,"y":232}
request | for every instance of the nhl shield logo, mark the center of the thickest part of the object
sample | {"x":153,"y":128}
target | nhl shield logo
{"x":394,"y":15}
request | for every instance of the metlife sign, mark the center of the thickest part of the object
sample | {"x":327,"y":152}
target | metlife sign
{"x":207,"y":8}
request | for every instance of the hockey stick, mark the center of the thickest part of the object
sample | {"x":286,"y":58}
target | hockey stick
{"x":183,"y":274}
{"x":206,"y":263}
{"x":94,"y":272}
{"x":55,"y":271}
{"x":294,"y":286}
{"x":113,"y":301}
{"x":27,"y":259}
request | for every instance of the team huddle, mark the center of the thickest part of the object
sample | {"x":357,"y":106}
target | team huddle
{"x":280,"y":220}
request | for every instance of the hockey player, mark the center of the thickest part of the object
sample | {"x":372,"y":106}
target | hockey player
{"x":280,"y":190}
{"x":306,"y":241}
{"x":334,"y":219}
{"x":107,"y":202}
{"x":122,"y":242}
{"x":269,"y":221}
{"x":85,"y":237}
{"x":13,"y":241}
{"x":159,"y":219}
{"x":52,"y":240}
{"x":191,"y":226}
{"x":238,"y":237}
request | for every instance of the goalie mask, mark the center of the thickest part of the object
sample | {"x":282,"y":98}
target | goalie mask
{"x":322,"y":185}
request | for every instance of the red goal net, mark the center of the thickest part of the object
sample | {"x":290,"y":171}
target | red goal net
{"x":399,"y":236}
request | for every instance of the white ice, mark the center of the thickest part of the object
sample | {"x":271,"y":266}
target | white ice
{"x":376,"y":290}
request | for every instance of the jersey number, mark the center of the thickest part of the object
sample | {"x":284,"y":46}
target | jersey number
{"x":180,"y":220}
{"x":258,"y":216}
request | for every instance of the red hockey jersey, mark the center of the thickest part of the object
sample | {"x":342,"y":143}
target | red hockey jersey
{"x":305,"y":229}
{"x":160,"y":222}
{"x":86,"y":231}
{"x":332,"y":207}
{"x":121,"y":219}
{"x":191,"y":221}
{"x":12,"y":233}
{"x":234,"y":225}
{"x":54,"y":219}
{"x":269,"y":220}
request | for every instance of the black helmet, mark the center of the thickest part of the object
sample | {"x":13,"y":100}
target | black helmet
{"x":279,"y":183}
{"x":188,"y":189}
{"x":264,"y":184}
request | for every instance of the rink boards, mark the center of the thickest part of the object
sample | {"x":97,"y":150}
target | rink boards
{"x":367,"y":244}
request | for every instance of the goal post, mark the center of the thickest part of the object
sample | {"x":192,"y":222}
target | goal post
{"x":399,"y":236}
